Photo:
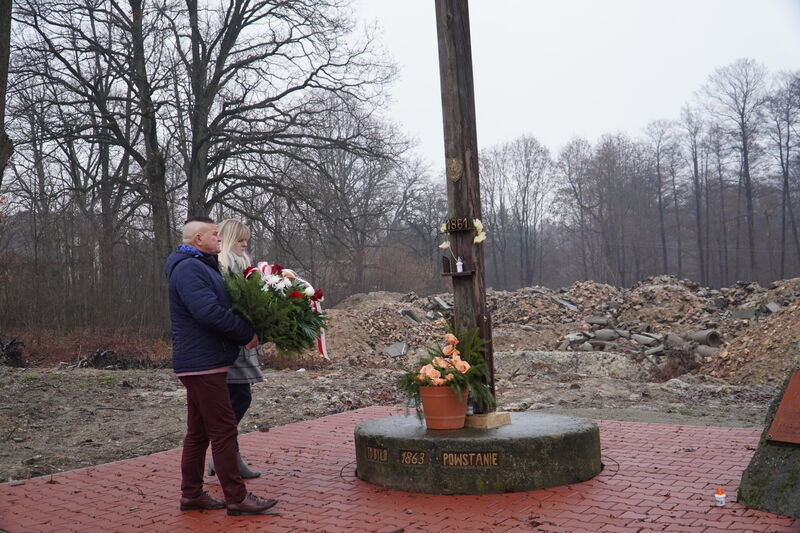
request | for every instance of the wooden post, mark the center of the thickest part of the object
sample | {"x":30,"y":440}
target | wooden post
{"x":461,"y":157}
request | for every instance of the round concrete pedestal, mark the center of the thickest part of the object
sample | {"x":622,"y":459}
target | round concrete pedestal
{"x":535,"y":451}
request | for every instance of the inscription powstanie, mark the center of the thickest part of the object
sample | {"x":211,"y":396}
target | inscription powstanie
{"x":466,"y":459}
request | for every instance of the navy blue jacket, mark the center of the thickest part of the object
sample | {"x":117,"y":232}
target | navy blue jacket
{"x":206,"y":334}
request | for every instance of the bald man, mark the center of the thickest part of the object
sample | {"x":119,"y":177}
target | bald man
{"x":206,"y":337}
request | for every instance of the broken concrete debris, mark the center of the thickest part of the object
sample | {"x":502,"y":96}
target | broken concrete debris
{"x":658,"y":317}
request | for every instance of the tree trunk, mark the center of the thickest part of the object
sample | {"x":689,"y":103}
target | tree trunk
{"x":661,"y":226}
{"x":723,"y":215}
{"x":737,"y":245}
{"x":707,"y":193}
{"x":584,"y":238}
{"x":6,"y":146}
{"x":748,"y":193}
{"x":698,"y":212}
{"x":784,"y":196}
{"x":677,"y":222}
{"x":155,"y":168}
{"x":198,"y":162}
{"x":107,"y":231}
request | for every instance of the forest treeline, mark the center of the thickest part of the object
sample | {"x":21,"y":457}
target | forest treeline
{"x":128,"y":116}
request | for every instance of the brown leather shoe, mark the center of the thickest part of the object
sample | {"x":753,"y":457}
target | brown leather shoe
{"x":204,"y":501}
{"x":251,"y":504}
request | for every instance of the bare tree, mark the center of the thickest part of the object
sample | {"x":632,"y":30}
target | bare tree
{"x":139,"y":65}
{"x":717,"y":149}
{"x":573,"y":168}
{"x":737,"y":97}
{"x":99,"y":58}
{"x":422,"y":214}
{"x":783,"y":107}
{"x":529,"y":166}
{"x":659,"y":135}
{"x":693,"y":126}
{"x":675,"y":162}
{"x":496,"y":197}
{"x":255,"y":76}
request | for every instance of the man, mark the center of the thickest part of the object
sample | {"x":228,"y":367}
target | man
{"x":206,"y":337}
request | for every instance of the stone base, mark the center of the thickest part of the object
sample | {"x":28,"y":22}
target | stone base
{"x":771,"y":482}
{"x":535,"y":451}
{"x":487,"y":421}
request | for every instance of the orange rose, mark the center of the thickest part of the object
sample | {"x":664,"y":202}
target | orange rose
{"x":437,"y":382}
{"x":455,"y":358}
{"x":430,"y":372}
{"x":447,"y":350}
{"x":462,"y":366}
{"x":441,"y":362}
{"x":449,"y":377}
{"x":451,"y":339}
{"x":420,"y":378}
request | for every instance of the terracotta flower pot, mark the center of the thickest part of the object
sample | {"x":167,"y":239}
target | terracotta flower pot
{"x":443,"y":408}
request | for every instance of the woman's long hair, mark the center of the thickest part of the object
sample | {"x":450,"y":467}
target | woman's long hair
{"x":232,"y":231}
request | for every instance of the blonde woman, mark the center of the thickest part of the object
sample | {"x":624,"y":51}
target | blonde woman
{"x":246,"y":370}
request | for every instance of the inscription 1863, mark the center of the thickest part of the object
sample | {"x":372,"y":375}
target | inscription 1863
{"x":470,"y":458}
{"x":413,"y":458}
{"x":380,"y":455}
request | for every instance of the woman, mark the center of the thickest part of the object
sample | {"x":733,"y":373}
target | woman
{"x":233,"y":259}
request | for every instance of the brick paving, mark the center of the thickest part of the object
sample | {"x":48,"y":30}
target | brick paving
{"x":657,"y":477}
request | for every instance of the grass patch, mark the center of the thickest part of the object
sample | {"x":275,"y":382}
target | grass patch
{"x":109,"y":379}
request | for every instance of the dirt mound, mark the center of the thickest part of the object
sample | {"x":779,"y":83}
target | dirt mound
{"x":666,"y":300}
{"x":765,"y":353}
{"x":594,"y":298}
{"x":363,"y":326}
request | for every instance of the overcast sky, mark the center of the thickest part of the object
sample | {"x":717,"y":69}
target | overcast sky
{"x":556,"y":69}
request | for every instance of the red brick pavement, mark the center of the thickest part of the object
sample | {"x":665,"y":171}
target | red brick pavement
{"x":657,"y":478}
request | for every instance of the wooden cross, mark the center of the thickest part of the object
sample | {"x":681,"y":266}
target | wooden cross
{"x":463,"y":184}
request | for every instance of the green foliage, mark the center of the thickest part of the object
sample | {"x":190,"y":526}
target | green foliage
{"x":288,"y":322}
{"x":472,"y":349}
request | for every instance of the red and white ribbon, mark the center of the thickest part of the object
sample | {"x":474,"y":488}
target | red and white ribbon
{"x":322,"y":346}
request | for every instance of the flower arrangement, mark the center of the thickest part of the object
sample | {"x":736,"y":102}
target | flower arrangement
{"x":279,"y":304}
{"x":458,"y":363}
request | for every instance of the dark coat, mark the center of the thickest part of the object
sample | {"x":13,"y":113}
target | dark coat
{"x":205,"y":332}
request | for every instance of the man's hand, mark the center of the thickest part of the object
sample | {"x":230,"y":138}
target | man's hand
{"x":253,"y":342}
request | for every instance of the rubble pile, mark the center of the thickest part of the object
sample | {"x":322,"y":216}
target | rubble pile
{"x":662,"y":319}
{"x":529,"y":305}
{"x":594,"y":298}
{"x":380,"y":328}
{"x":665,"y":300}
{"x":764,"y":354}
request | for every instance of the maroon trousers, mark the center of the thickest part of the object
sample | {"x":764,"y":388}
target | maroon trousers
{"x":210,"y":419}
